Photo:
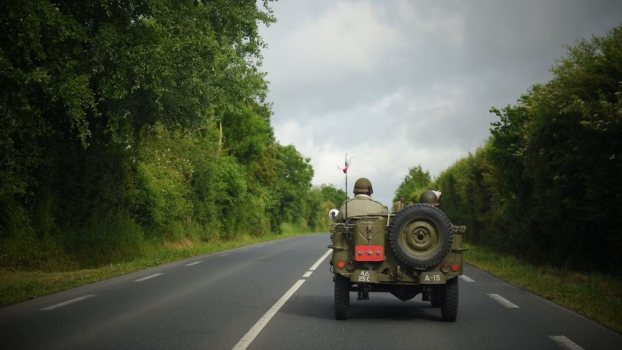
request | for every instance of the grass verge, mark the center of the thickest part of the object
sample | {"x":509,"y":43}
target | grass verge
{"x":17,"y":286}
{"x":596,"y":296}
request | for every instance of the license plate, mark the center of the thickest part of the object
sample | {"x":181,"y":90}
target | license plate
{"x":363,"y":276}
{"x":434,"y":277}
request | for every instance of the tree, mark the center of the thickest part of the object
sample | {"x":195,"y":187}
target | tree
{"x":572,"y":153}
{"x":91,"y":91}
{"x":546,"y":185}
{"x":335,"y":197}
{"x":415,"y":183}
{"x":291,"y":190}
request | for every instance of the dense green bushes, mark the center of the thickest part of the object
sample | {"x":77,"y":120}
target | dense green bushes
{"x":127,"y":123}
{"x":415,"y":183}
{"x":547,"y":185}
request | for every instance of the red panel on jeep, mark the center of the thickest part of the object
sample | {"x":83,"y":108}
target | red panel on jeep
{"x":369,"y":253}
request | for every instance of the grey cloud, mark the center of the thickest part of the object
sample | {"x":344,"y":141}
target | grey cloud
{"x":434,"y":70}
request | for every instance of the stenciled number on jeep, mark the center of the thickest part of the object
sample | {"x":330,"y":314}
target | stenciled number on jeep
{"x":432,"y":278}
{"x":364,"y":276}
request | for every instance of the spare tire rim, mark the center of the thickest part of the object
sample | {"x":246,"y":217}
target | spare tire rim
{"x":420,"y":239}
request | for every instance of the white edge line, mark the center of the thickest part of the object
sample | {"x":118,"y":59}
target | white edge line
{"x":503,"y":301}
{"x":467,"y":279}
{"x":307,"y":274}
{"x":317,"y":263}
{"x":149,"y":277}
{"x":248,"y":338}
{"x":194,"y":263}
{"x":565,"y":342}
{"x":65,"y":303}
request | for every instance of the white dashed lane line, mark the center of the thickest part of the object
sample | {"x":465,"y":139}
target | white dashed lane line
{"x":466,"y":278}
{"x":564,"y":342}
{"x":194,"y":263}
{"x":149,"y":277}
{"x":65,"y":303}
{"x":503,"y":301}
{"x":307,"y":274}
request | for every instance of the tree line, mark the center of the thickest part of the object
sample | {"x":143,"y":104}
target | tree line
{"x":123,"y":122}
{"x":547,"y":185}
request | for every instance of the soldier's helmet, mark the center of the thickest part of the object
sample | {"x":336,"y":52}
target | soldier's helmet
{"x":430,"y":197}
{"x":363,"y":186}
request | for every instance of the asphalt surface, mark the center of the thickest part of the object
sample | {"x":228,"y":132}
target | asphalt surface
{"x":272,"y":296}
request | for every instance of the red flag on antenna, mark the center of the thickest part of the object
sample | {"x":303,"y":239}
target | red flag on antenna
{"x":346,"y":165}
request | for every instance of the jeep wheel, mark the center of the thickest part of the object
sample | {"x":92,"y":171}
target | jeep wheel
{"x":420,"y":236}
{"x":342,"y":297}
{"x":449,"y":300}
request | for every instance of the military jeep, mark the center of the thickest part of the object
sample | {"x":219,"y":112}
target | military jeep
{"x":410,"y":252}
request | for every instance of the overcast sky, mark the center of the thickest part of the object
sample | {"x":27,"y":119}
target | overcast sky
{"x":400,"y":83}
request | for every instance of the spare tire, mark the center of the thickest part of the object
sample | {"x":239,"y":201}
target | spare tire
{"x":420,"y":236}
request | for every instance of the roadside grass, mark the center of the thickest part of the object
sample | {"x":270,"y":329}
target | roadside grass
{"x":19,"y":285}
{"x":596,"y":296}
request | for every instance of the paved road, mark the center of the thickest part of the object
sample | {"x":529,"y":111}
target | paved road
{"x":272,"y":296}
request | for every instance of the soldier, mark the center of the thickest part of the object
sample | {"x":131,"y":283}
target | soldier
{"x":431,"y":197}
{"x":361,"y":204}
{"x":399,"y":205}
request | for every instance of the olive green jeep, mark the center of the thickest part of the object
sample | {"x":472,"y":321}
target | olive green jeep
{"x":413,"y":251}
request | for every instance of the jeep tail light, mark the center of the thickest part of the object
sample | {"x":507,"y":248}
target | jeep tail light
{"x":341,"y":264}
{"x":455,"y":267}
